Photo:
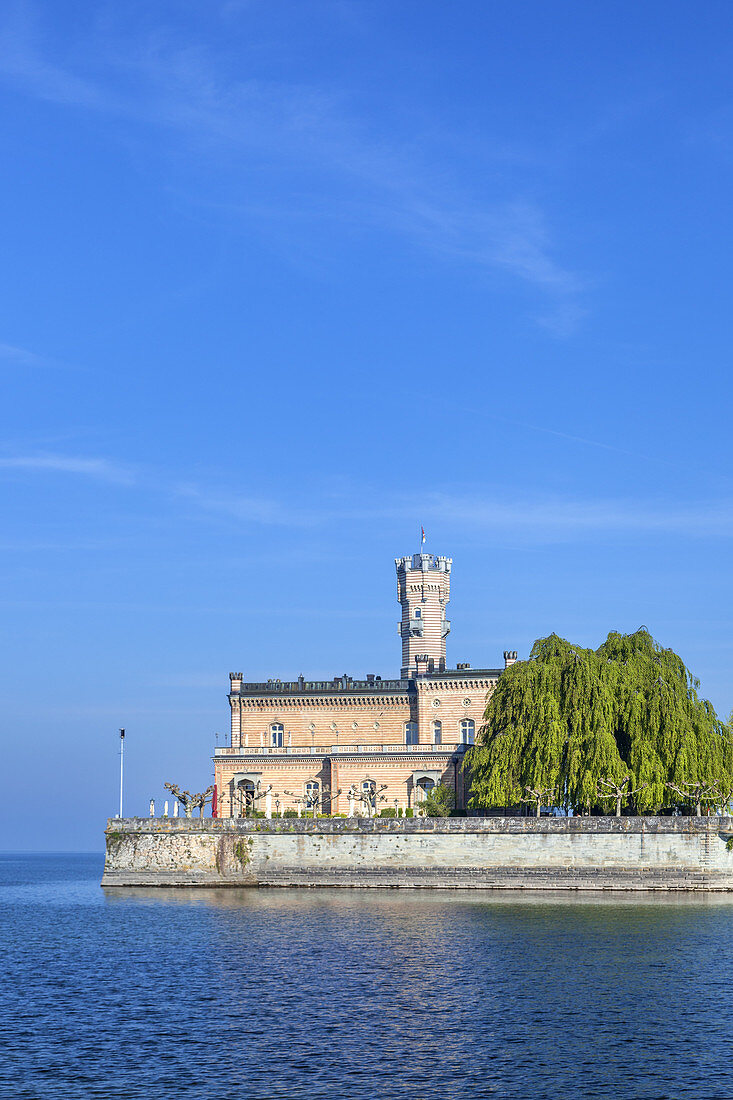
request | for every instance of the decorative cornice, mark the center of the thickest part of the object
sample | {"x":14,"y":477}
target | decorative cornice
{"x":258,"y":702}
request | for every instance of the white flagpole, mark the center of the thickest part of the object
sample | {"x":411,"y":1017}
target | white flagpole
{"x":122,"y":765}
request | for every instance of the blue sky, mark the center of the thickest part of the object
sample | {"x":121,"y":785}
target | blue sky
{"x":283,"y":281}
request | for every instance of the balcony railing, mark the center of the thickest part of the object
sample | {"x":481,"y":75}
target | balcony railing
{"x":334,"y":750}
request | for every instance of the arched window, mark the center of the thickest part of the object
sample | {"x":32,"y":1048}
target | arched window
{"x":468,"y":731}
{"x":369,"y":792}
{"x":437,"y":733}
{"x":312,"y":793}
{"x":418,"y":613}
{"x":410,"y":733}
{"x":276,"y":735}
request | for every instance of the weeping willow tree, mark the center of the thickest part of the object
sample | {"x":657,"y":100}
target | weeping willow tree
{"x":569,"y":718}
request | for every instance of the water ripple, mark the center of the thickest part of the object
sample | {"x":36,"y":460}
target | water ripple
{"x":365,"y":995}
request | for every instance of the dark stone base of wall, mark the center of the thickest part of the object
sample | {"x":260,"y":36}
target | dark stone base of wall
{"x":439,"y":879}
{"x":521,"y":879}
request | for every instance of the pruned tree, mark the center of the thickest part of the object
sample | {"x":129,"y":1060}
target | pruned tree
{"x":300,"y":800}
{"x":542,"y":796}
{"x":325,"y":797}
{"x":369,"y":799}
{"x":201,"y":800}
{"x":621,"y":792}
{"x":191,"y":801}
{"x":246,"y":798}
{"x":314,"y":800}
{"x":699,"y":794}
{"x":569,"y":717}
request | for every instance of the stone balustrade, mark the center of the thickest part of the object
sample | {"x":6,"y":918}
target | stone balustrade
{"x":331,"y":750}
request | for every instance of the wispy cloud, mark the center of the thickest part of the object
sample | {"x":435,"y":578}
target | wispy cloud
{"x":312,"y":135}
{"x":561,"y":519}
{"x":248,"y":508}
{"x":98,"y":468}
{"x":600,"y":444}
{"x":539,"y":520}
{"x":22,"y":357}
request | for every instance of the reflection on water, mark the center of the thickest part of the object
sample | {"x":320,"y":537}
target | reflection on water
{"x":235,"y":897}
{"x":358,"y":993}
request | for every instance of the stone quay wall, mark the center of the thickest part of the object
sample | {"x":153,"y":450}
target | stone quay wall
{"x":578,"y":853}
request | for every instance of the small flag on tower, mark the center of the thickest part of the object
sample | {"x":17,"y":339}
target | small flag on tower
{"x":422,"y":535}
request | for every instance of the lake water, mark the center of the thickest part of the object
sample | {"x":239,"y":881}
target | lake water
{"x":357,"y":994}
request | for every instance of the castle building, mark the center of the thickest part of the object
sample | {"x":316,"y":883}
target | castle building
{"x":360,"y":746}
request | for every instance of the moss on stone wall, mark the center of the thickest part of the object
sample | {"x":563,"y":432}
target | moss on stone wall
{"x":242,"y":851}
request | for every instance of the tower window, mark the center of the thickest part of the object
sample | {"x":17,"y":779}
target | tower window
{"x":468,"y":731}
{"x":411,"y":733}
{"x":437,"y":733}
{"x":276,"y":735}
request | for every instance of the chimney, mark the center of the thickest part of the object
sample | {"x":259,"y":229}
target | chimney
{"x":422,"y":663}
{"x":510,"y":657}
{"x":236,"y":682}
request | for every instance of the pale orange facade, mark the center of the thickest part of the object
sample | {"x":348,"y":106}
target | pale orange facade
{"x":360,"y":746}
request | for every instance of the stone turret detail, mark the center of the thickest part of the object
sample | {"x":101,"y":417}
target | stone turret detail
{"x":423,"y":590}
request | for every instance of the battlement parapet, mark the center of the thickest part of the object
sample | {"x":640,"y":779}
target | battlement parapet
{"x":423,"y":562}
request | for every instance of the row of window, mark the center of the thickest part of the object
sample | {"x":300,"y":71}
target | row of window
{"x":466,"y":727}
{"x":249,"y":793}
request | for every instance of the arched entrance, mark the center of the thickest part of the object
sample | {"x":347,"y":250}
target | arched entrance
{"x":245,"y":790}
{"x":246,"y":800}
{"x":420,"y":785}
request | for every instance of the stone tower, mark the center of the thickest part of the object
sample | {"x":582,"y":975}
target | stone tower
{"x":423,"y":589}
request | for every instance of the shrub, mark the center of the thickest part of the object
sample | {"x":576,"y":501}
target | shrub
{"x":439,"y":802}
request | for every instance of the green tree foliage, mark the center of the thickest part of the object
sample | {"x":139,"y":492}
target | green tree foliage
{"x":569,"y":717}
{"x":439,"y":802}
